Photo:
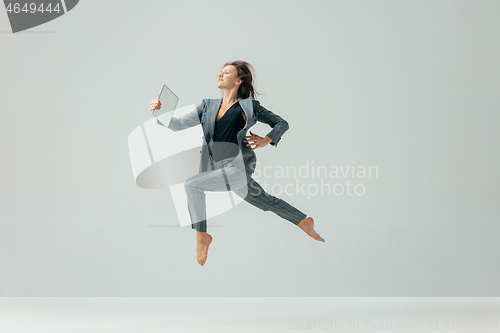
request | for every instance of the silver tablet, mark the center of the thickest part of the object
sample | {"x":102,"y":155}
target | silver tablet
{"x":168,"y":101}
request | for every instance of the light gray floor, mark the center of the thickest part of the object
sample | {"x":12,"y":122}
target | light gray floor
{"x":275,"y":314}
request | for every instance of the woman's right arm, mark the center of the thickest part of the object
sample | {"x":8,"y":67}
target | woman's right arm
{"x":191,"y":119}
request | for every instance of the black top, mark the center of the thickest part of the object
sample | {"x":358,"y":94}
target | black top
{"x":225,"y":130}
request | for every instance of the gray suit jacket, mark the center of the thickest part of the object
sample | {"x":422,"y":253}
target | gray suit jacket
{"x":205,"y":114}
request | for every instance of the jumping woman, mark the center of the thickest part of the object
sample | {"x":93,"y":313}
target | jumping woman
{"x":225,"y":122}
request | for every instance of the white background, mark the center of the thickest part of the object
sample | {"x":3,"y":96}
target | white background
{"x":408,"y":86}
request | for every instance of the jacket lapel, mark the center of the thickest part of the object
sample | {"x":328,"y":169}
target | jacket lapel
{"x":247,"y":106}
{"x":212,"y":113}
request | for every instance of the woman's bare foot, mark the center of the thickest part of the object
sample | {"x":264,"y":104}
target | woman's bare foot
{"x":307,"y":225}
{"x":203,"y":241}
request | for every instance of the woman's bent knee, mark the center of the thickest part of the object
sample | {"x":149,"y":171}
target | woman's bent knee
{"x":189,"y":184}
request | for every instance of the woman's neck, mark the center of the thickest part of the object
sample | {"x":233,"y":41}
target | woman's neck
{"x":229,"y":97}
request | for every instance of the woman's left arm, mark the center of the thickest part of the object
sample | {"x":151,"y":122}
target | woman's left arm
{"x":279,"y":125}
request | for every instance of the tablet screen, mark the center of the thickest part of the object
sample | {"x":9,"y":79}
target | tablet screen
{"x":168,"y":101}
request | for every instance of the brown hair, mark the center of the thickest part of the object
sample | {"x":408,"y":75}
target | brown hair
{"x":246,"y":88}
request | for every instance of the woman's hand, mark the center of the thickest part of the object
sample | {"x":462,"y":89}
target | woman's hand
{"x":155,"y":105}
{"x":259,"y":141}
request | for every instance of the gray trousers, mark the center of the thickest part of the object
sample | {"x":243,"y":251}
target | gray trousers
{"x":240,"y":181}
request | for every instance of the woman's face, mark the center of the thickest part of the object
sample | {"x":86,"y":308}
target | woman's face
{"x":228,"y":77}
